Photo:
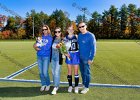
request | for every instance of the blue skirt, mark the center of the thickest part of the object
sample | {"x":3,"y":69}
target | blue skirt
{"x":74,"y":58}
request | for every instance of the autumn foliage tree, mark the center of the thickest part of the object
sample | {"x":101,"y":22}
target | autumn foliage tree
{"x":114,"y":23}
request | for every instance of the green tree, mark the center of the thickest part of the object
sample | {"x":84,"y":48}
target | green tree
{"x":21,"y":33}
{"x":94,"y":25}
{"x":79,"y":18}
{"x":138,"y":23}
{"x":132,"y":22}
{"x":11,"y":28}
{"x":11,"y":22}
{"x":123,"y":14}
{"x":114,"y":21}
{"x":106,"y":20}
{"x":38,"y":19}
{"x":59,"y":19}
{"x":29,"y":27}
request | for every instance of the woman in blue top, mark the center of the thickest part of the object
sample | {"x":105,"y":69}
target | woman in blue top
{"x":43,"y":57}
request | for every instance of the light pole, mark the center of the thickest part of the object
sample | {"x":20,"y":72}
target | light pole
{"x":33,"y":28}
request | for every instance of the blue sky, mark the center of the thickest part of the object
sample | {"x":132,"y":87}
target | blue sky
{"x":21,"y":7}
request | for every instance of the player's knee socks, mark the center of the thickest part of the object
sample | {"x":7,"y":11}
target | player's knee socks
{"x":69,"y":77}
{"x":76,"y":80}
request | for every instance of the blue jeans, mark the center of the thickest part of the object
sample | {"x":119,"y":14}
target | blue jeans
{"x":56,"y":69}
{"x":85,"y":72}
{"x":43,"y":66}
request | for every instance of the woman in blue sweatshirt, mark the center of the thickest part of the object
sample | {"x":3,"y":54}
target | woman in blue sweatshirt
{"x":43,"y":57}
{"x":87,"y":50}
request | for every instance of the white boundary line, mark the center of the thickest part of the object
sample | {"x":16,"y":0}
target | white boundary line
{"x":21,"y":71}
{"x":66,"y":83}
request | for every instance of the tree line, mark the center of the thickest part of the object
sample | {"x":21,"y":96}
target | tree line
{"x":123,"y":23}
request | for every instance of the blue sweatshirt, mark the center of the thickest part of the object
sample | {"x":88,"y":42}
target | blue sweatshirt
{"x":46,"y":48}
{"x":87,"y":45}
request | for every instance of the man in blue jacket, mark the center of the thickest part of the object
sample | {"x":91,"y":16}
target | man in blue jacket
{"x":87,"y":50}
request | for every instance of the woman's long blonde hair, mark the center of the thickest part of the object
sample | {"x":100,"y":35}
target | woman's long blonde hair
{"x":47,"y":28}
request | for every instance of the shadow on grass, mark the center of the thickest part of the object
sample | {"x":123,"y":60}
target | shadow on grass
{"x":27,"y":91}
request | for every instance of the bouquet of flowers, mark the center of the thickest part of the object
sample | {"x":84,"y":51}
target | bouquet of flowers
{"x":39,"y":42}
{"x":64,"y":47}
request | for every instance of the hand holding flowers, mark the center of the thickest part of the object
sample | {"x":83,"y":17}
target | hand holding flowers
{"x":63,"y":49}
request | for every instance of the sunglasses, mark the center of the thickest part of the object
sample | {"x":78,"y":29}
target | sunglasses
{"x":57,"y":31}
{"x":44,"y":29}
{"x":82,"y":26}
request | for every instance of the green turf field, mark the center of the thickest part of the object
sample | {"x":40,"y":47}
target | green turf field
{"x":116,"y":62}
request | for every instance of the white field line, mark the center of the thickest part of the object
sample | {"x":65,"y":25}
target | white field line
{"x":21,"y":71}
{"x":66,"y":83}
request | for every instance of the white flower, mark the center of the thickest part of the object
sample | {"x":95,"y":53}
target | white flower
{"x":67,"y":44}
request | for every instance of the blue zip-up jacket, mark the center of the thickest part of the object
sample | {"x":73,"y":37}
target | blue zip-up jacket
{"x":46,"y":48}
{"x":87,"y":45}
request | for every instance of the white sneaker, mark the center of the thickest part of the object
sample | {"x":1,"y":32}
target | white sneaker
{"x":85,"y":90}
{"x":70,"y":89}
{"x":47,"y":88}
{"x":54,"y":90}
{"x":76,"y":89}
{"x":42,"y":88}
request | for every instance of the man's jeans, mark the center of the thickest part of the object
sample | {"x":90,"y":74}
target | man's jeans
{"x":85,"y":72}
{"x":43,"y":66}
